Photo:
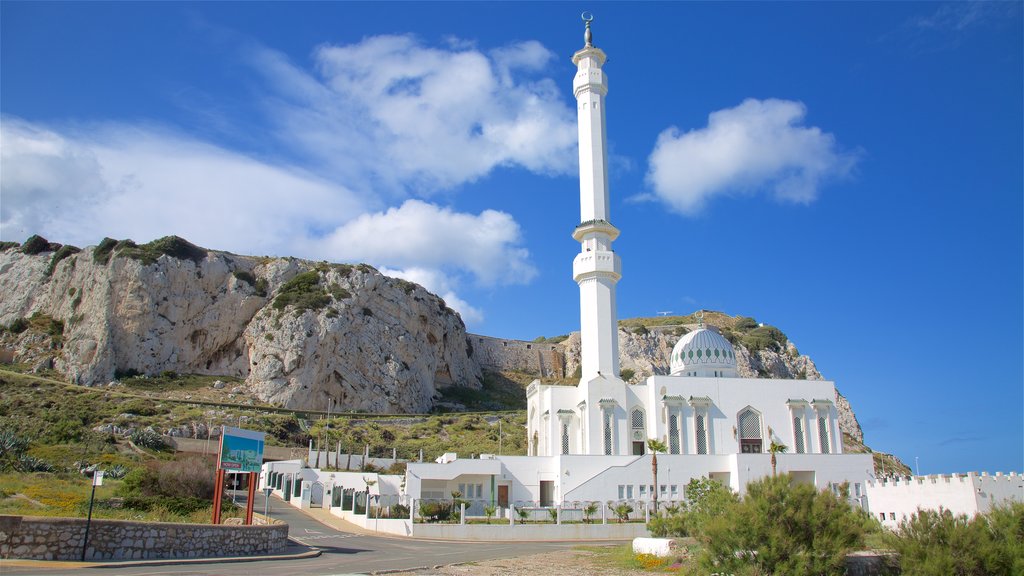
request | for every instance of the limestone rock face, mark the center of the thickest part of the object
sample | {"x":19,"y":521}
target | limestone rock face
{"x":369,"y":342}
{"x":387,"y":347}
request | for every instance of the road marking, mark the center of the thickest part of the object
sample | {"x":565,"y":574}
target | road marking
{"x":323,"y":537}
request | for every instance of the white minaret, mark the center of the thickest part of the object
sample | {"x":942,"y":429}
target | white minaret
{"x":597,"y":268}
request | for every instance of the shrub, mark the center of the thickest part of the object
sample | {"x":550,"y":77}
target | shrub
{"x":4,"y":246}
{"x":189,"y":477}
{"x":17,"y":326}
{"x":261,"y":287}
{"x":172,"y":246}
{"x":937,"y":542}
{"x":303,"y":291}
{"x":764,"y":338}
{"x":148,"y":439}
{"x":101,"y":253}
{"x":36,"y":244}
{"x":782,"y":528}
{"x":59,"y":255}
{"x":627,"y":374}
{"x":338,"y":292}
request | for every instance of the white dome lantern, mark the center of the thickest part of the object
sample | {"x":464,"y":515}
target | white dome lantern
{"x":703,"y":352}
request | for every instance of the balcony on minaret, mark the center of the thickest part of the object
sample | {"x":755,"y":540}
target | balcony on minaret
{"x":599,"y":263}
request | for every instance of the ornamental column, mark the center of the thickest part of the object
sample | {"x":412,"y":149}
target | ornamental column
{"x":597,"y":268}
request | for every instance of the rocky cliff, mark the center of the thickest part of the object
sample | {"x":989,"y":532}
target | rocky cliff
{"x":299,"y":332}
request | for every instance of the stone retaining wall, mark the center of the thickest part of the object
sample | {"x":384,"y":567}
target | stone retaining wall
{"x":501,"y":354}
{"x":43,"y":538}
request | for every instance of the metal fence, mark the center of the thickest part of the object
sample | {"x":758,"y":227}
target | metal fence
{"x":450,"y":511}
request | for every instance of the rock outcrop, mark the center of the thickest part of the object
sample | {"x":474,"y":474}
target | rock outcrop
{"x":299,"y":332}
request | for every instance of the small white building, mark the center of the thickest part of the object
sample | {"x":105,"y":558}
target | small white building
{"x":893,"y":500}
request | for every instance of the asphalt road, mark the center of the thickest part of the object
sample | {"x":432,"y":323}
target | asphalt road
{"x":343,"y":553}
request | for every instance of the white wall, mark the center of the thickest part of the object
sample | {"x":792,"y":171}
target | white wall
{"x":970,"y":494}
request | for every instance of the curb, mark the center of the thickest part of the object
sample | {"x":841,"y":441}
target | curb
{"x":311,"y":552}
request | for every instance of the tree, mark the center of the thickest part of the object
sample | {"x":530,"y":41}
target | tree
{"x":588,"y":511}
{"x":489,"y":512}
{"x":773,"y":449}
{"x":655,"y":446}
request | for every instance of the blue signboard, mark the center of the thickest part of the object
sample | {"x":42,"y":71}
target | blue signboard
{"x":240,"y":450}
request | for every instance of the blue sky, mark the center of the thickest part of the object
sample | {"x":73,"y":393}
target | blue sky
{"x":848,"y":172}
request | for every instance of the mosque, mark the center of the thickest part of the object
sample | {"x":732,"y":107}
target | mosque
{"x":589,"y":442}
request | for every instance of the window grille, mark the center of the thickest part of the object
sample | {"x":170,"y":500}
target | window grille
{"x":750,"y":424}
{"x":798,"y":432}
{"x":823,"y":434}
{"x":565,"y":438}
{"x":702,"y":435}
{"x":637,"y":419}
{"x":673,"y":434}
{"x":607,"y":432}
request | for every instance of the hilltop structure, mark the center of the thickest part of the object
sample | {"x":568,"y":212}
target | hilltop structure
{"x":589,"y":442}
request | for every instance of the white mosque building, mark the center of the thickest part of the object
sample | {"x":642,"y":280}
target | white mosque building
{"x":589,"y":442}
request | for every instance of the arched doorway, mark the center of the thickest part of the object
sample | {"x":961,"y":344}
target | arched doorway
{"x":316,"y":495}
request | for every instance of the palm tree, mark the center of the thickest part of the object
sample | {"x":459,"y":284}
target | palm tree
{"x":773,"y":449}
{"x":655,"y":446}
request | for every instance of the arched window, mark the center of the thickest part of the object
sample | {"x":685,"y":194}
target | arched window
{"x":823,"y":433}
{"x":701,"y":425}
{"x":798,"y":433}
{"x":639,"y":437}
{"x":749,"y":423}
{"x":607,"y":418}
{"x":565,"y":437}
{"x":673,"y":434}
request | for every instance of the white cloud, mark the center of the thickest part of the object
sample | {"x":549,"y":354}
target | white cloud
{"x":392,"y":115}
{"x":421,"y":235}
{"x":441,"y":284}
{"x":81,"y":184}
{"x":758,"y":145}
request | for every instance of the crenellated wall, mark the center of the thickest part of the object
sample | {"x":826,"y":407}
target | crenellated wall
{"x":899,"y":498}
{"x":45,"y":538}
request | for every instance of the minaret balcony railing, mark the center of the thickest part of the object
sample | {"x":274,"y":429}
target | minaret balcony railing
{"x":595,"y":226}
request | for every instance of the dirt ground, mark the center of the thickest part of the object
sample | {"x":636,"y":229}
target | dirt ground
{"x":560,"y":562}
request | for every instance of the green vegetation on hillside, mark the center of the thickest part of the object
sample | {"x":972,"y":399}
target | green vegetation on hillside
{"x":304,"y":292}
{"x":500,"y":391}
{"x":62,"y":253}
{"x":150,"y":252}
{"x":465,"y":434}
{"x":737,"y":329}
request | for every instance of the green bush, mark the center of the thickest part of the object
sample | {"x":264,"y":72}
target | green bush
{"x":704,"y":499}
{"x":172,"y":246}
{"x":938,"y":543}
{"x":62,"y":253}
{"x":36,"y":244}
{"x":17,"y":326}
{"x":784,"y":528}
{"x":304,"y":292}
{"x":4,"y":246}
{"x":101,"y":253}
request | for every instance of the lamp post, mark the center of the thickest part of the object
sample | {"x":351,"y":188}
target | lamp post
{"x":917,"y":465}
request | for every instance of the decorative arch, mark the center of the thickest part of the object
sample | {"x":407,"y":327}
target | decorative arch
{"x":748,"y":424}
{"x":638,"y":430}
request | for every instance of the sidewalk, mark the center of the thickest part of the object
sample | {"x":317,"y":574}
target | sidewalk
{"x":323,"y":516}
